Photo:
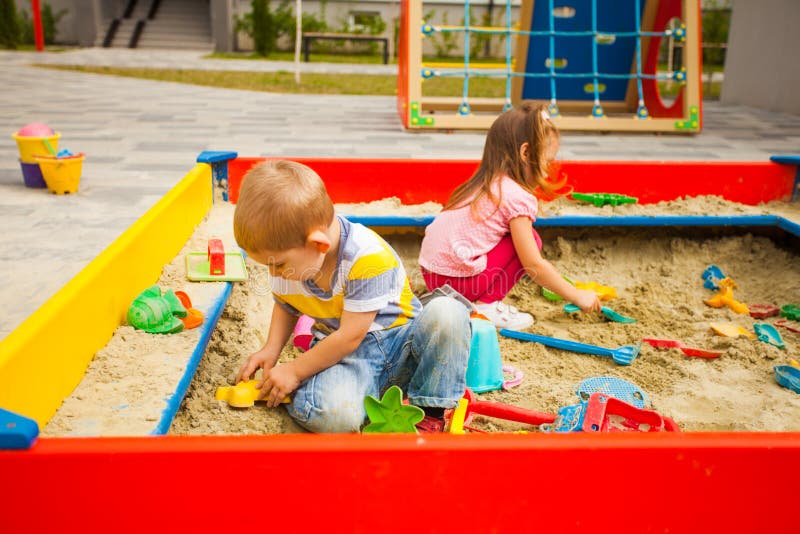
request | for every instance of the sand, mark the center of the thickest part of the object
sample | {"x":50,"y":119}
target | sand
{"x":657,"y":276}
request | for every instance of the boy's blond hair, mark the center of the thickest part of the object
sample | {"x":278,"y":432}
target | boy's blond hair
{"x":280,"y":203}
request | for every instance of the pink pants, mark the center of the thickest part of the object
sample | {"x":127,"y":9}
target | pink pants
{"x":503,"y":270}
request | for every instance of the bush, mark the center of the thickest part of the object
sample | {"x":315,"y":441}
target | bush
{"x":272,"y":26}
{"x":49,"y":24}
{"x":9,"y":31}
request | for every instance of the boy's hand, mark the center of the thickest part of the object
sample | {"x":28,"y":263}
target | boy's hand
{"x":587,"y":300}
{"x":278,"y":382}
{"x":257,"y":360}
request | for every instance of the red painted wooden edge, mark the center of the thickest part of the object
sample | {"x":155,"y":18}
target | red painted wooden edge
{"x":418,"y":181}
{"x":687,"y":482}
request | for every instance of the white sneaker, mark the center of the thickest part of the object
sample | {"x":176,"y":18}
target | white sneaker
{"x":504,"y":315}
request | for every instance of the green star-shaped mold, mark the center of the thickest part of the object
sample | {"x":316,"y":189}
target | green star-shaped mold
{"x":390,"y":415}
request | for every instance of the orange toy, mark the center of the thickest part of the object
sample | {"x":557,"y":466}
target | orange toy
{"x":194,"y":317}
{"x":725,"y":297}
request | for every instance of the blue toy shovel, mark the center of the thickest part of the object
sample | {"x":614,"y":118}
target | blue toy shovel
{"x":788,"y":377}
{"x":623,"y":355}
{"x":610,"y":314}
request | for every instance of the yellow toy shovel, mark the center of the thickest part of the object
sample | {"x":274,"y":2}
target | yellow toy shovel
{"x":731,"y":330}
{"x":242,"y":395}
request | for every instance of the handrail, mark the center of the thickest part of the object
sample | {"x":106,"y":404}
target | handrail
{"x":110,"y":33}
{"x":137,"y":32}
{"x":154,"y":5}
{"x":129,"y":7}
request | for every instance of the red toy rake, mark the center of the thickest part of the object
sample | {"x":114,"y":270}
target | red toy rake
{"x":689,"y":351}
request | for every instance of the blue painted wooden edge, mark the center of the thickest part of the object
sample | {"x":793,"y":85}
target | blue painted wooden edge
{"x":584,"y":220}
{"x":790,"y":159}
{"x":17,"y":431}
{"x":174,"y":402}
{"x":789,"y":226}
{"x":215,"y":156}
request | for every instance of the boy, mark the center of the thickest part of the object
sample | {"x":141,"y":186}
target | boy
{"x":370,"y":330}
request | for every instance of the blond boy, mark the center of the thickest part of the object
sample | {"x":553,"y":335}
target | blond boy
{"x":370,"y":330}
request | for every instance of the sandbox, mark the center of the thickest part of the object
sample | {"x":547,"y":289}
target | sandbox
{"x":689,"y":472}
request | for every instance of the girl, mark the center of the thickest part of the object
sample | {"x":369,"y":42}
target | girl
{"x":483,"y":241}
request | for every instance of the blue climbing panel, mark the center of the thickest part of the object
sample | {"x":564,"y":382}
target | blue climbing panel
{"x":613,"y":16}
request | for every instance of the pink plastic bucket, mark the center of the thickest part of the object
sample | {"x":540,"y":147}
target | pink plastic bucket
{"x":302,"y":332}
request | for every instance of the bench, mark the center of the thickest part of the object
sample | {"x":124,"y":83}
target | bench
{"x":308,"y":37}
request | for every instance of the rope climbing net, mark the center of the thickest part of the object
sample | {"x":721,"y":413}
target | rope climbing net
{"x":599,"y":37}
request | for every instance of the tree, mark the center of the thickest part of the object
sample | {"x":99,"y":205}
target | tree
{"x":9,"y":31}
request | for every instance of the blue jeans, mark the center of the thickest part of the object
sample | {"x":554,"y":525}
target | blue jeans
{"x":426,"y":357}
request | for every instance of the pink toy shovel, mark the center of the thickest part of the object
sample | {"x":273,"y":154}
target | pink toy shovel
{"x":689,"y":351}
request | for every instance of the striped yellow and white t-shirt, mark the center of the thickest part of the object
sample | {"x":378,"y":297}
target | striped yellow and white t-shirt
{"x":368,"y":277}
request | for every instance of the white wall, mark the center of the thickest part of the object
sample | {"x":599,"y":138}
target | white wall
{"x":762,"y":68}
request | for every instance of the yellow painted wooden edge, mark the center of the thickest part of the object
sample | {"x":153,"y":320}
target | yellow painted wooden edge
{"x":44,"y":359}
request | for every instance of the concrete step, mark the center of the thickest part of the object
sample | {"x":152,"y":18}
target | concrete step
{"x":176,"y":45}
{"x":178,"y":24}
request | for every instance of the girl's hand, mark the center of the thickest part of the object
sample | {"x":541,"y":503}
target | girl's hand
{"x":586,"y":300}
{"x":257,"y":360}
{"x":278,"y":382}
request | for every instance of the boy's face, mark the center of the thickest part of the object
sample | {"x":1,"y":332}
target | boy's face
{"x":300,"y":263}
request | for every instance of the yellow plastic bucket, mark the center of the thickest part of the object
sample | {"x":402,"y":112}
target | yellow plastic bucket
{"x":30,"y":147}
{"x":62,"y":175}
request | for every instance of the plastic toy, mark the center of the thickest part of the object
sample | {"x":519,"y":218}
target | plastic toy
{"x":215,"y":265}
{"x":725,"y":297}
{"x":458,"y":418}
{"x":302,"y":332}
{"x":17,"y":431}
{"x":769,"y":334}
{"x":614,"y":387}
{"x":35,"y":129}
{"x":549,"y":295}
{"x":485,"y":367}
{"x":61,"y":174}
{"x":623,"y":355}
{"x":194,"y":317}
{"x":608,"y":414}
{"x":156,"y":313}
{"x":794,"y":363}
{"x":570,"y":418}
{"x":791,"y":311}
{"x":762,"y":311}
{"x":731,"y":330}
{"x":390,"y":415}
{"x":603,"y":292}
{"x":500,"y":410}
{"x":689,"y":351}
{"x":242,"y":395}
{"x":610,"y":314}
{"x":788,"y":376}
{"x":712,"y":276}
{"x":791,"y":326}
{"x":605,"y":199}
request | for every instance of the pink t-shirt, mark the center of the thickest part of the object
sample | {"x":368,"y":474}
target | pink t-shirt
{"x":456,"y":243}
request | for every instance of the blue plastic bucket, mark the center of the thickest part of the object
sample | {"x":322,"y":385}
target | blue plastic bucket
{"x":32,"y":175}
{"x":485,"y":366}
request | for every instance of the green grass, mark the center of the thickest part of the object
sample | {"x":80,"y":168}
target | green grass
{"x":310,"y":83}
{"x":314,"y":57}
{"x":47,"y":48}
